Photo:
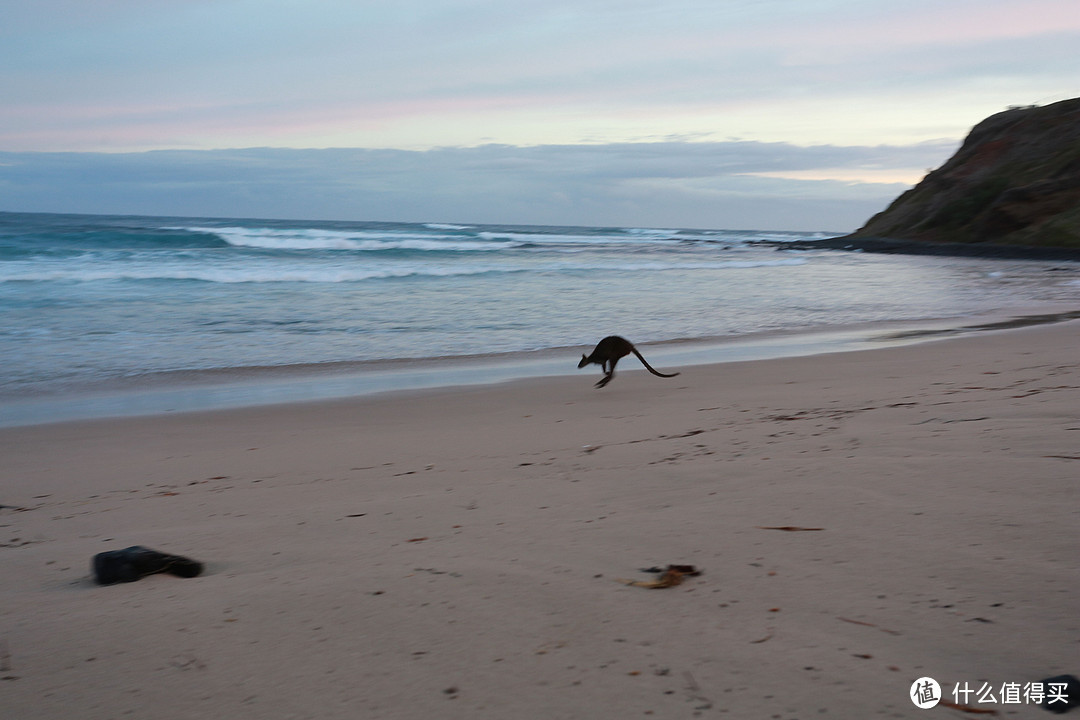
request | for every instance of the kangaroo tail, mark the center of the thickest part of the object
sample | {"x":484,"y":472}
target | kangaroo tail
{"x":649,"y":367}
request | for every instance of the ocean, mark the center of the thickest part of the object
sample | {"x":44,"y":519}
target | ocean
{"x":90,"y":302}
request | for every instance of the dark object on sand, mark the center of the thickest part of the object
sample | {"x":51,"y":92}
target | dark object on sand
{"x":1071,"y":693}
{"x":136,"y":562}
{"x":670,"y":576}
{"x":684,"y":569}
{"x":787,"y":528}
{"x":607,"y":353}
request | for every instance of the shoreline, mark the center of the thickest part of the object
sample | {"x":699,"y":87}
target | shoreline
{"x":893,"y":246}
{"x":861,"y":520}
{"x":215,"y":389}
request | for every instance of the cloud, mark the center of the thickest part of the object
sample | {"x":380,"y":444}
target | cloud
{"x":130,"y":75}
{"x":719,"y":185}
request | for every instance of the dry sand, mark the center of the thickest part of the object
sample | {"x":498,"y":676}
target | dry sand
{"x":456,"y":553}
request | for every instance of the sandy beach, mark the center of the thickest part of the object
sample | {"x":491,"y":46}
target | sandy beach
{"x":860,"y":520}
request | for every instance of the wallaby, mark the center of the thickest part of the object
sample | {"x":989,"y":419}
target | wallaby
{"x":607,"y":353}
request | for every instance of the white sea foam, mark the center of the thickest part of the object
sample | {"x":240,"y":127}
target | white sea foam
{"x":334,"y":272}
{"x":250,"y":274}
{"x":318,"y":239}
{"x":484,"y":240}
{"x":651,"y":232}
{"x":721,"y":265}
{"x":447,"y":226}
{"x":552,"y":239}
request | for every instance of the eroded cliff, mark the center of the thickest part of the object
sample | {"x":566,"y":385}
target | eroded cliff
{"x":1014,"y":181}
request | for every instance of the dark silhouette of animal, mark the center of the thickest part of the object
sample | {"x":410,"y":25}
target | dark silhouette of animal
{"x":608,"y":352}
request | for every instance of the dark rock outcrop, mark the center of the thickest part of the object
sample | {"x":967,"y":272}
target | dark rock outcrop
{"x":1015,"y":181}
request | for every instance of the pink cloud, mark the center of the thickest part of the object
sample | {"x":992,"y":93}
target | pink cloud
{"x":957,"y":23}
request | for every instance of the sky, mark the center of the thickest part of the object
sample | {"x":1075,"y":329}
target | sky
{"x":741,"y":114}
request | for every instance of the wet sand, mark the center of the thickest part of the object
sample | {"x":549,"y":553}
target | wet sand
{"x":222,"y":388}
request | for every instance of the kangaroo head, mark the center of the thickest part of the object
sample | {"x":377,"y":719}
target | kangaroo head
{"x":584,"y":361}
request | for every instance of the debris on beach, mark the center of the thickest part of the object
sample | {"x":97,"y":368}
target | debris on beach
{"x":5,"y":662}
{"x":137,"y":562}
{"x":787,"y":528}
{"x":1063,"y":695}
{"x":670,"y":576}
{"x":868,"y":624}
{"x":968,"y":708}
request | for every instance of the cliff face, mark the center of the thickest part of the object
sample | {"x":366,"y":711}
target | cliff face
{"x":1014,"y":181}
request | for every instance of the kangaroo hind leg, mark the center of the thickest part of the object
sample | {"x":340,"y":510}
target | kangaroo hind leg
{"x":609,"y":372}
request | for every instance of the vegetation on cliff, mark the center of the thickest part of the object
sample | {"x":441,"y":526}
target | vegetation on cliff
{"x":1014,"y":181}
